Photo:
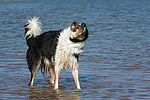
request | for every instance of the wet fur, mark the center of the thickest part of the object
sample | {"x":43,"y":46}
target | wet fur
{"x":55,"y":50}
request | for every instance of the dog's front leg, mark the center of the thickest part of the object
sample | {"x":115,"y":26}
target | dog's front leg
{"x":75,"y":74}
{"x":57,"y":74}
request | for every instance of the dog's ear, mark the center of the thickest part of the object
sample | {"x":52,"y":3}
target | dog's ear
{"x":74,"y":23}
{"x":73,"y":26}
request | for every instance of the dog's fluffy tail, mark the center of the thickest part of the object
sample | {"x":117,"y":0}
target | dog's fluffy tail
{"x":32,"y":28}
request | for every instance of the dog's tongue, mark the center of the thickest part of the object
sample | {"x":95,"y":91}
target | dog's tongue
{"x":77,"y":26}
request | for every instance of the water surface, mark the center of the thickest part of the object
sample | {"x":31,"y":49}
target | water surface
{"x":116,"y":59}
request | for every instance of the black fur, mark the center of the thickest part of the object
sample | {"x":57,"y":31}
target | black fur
{"x":77,"y":56}
{"x":42,"y":46}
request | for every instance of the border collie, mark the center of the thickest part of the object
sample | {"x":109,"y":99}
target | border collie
{"x":55,"y":50}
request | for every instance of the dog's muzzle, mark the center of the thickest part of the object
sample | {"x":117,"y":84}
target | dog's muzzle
{"x":79,"y":32}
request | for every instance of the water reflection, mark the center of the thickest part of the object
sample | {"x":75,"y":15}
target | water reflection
{"x":51,"y":94}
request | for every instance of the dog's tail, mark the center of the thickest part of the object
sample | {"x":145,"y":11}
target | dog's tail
{"x":32,"y":28}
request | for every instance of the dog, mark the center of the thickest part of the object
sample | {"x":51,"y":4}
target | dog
{"x":55,"y":50}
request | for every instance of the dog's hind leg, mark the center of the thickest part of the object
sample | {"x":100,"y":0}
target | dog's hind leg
{"x":34,"y":72}
{"x":75,"y":74}
{"x":52,"y":75}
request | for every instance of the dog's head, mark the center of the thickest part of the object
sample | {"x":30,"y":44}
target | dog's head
{"x":79,"y":32}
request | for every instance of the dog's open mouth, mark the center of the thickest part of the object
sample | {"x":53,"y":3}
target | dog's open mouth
{"x":79,"y":31}
{"x":76,"y":26}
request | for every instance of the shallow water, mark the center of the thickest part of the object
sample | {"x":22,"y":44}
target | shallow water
{"x":116,"y":60}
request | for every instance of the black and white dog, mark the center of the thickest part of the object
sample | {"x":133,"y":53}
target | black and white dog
{"x":55,"y":50}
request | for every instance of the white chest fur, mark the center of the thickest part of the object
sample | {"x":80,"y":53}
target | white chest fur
{"x":66,"y":49}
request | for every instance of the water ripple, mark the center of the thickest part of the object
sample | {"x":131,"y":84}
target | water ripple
{"x":115,"y":62}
